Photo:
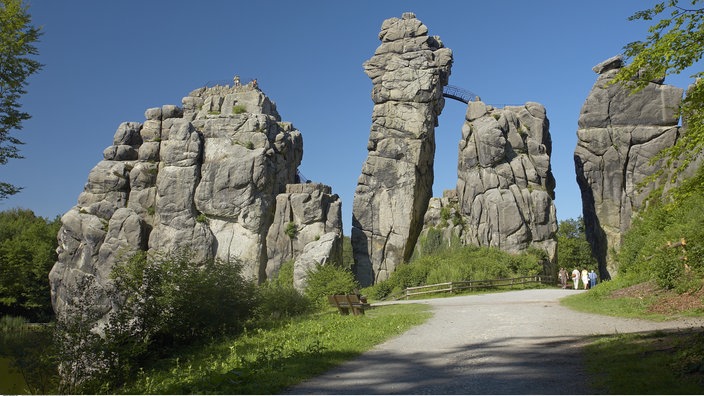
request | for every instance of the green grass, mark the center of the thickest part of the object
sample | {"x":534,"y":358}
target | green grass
{"x":269,"y":359}
{"x":642,"y":363}
{"x":654,"y":363}
{"x":626,"y":307}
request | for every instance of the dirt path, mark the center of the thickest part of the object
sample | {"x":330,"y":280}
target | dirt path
{"x":520,"y":342}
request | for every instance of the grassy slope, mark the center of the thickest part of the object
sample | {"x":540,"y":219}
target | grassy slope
{"x":267,"y":361}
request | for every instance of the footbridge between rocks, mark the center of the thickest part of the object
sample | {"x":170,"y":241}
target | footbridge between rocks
{"x":459,"y":94}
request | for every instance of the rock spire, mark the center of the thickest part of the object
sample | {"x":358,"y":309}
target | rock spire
{"x":408,"y":72}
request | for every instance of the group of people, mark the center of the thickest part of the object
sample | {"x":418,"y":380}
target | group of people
{"x":588,"y":278}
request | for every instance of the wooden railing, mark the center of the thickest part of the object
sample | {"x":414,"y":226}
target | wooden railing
{"x":451,"y":287}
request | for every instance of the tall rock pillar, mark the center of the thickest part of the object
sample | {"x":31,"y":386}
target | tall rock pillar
{"x":505,"y":185}
{"x":619,"y":133}
{"x":409,"y":70}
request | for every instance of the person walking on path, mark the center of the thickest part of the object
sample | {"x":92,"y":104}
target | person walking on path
{"x":563,"y":277}
{"x":575,"y":278}
{"x":592,"y":279}
{"x":585,"y":278}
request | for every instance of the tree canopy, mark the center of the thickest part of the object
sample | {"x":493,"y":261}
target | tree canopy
{"x":17,"y":38}
{"x":573,"y":250}
{"x":27,"y":253}
{"x":674,"y":43}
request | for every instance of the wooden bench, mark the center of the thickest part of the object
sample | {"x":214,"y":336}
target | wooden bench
{"x":347,"y":302}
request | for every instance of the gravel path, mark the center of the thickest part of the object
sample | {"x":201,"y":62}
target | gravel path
{"x":520,"y":342}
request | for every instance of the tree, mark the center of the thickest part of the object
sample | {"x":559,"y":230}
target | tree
{"x":17,"y":38}
{"x":27,"y":253}
{"x":672,"y":45}
{"x":573,"y":250}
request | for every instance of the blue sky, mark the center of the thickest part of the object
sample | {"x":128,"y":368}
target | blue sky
{"x":108,"y":61}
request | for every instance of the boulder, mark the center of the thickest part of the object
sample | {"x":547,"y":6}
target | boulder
{"x":318,"y":252}
{"x":304,"y":213}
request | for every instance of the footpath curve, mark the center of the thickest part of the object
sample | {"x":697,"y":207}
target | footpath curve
{"x":519,"y":342}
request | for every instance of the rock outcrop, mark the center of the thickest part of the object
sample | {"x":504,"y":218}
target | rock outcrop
{"x":203,"y":177}
{"x":619,"y":133}
{"x":505,"y":185}
{"x":443,"y":215}
{"x":304,"y":214}
{"x":408,"y":70}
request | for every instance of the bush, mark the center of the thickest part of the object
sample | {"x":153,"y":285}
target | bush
{"x":278,"y":298}
{"x":647,"y":251}
{"x":162,"y":301}
{"x":329,"y":279}
{"x":179,"y":300}
{"x":277,"y":302}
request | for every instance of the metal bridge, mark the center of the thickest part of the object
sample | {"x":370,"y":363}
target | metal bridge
{"x":457,"y":93}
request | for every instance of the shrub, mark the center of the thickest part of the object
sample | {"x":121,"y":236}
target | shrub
{"x":239,"y":109}
{"x":162,"y":301}
{"x":278,"y":298}
{"x":277,"y":301}
{"x":329,"y":279}
{"x":178,"y":299}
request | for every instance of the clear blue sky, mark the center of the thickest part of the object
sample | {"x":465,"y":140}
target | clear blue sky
{"x":108,"y":61}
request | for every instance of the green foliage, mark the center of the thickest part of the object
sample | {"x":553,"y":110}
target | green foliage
{"x":291,"y":229}
{"x":202,"y":218}
{"x":239,"y":109}
{"x":432,"y":242}
{"x":674,"y":43}
{"x":279,"y":299}
{"x":573,"y":250}
{"x":179,"y":300}
{"x":27,"y":252}
{"x":268,"y":361}
{"x":647,"y":253}
{"x":163,"y":301}
{"x":17,"y":39}
{"x":458,"y":263}
{"x":329,"y":279}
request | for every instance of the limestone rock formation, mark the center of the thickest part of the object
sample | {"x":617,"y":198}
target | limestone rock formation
{"x":619,"y":132}
{"x":505,"y":185}
{"x":203,"y":177}
{"x":304,"y":213}
{"x":408,"y":70}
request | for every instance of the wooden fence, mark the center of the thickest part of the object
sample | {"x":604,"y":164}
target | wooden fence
{"x":452,"y":287}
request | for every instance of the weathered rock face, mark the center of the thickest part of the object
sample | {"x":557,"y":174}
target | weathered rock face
{"x":619,"y":132}
{"x":505,"y":186}
{"x":408,"y":70}
{"x":443,"y":215}
{"x":324,"y":250}
{"x":304,"y":213}
{"x":203,"y":177}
